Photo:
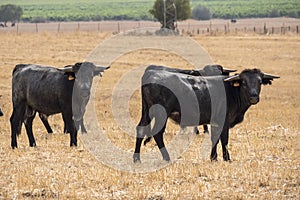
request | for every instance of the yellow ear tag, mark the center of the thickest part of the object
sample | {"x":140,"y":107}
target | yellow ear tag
{"x":71,"y":78}
{"x":236,"y":84}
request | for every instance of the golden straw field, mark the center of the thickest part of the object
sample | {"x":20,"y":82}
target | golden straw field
{"x":265,"y":148}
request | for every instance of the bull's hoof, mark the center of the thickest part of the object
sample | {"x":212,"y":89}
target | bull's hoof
{"x":73,"y":145}
{"x":214,"y":159}
{"x":165,"y":154}
{"x":32,"y":145}
{"x":83,"y":132}
{"x":136,"y":158}
{"x":227,"y":159}
{"x":14,"y":145}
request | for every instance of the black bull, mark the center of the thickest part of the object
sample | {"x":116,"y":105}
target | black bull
{"x":192,"y":100}
{"x":49,"y":91}
{"x":208,"y":70}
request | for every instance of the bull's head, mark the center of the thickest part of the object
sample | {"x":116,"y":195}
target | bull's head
{"x":82,"y":73}
{"x":249,"y":82}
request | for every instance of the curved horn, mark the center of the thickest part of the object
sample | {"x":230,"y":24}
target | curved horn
{"x":228,"y":70}
{"x":101,"y":69}
{"x":66,"y":69}
{"x":269,"y":76}
{"x":232,"y":78}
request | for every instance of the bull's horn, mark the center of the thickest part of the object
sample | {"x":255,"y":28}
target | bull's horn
{"x":228,"y":70}
{"x":101,"y":69}
{"x":233,"y":78}
{"x":269,"y":76}
{"x":66,"y":69}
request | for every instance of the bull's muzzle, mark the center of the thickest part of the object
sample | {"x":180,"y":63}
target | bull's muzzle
{"x":254,"y":100}
{"x":85,"y":93}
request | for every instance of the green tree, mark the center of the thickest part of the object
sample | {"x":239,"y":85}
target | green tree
{"x":10,"y":12}
{"x":201,"y":13}
{"x":175,"y":10}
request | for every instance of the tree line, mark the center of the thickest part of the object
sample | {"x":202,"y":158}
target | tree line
{"x":167,"y":12}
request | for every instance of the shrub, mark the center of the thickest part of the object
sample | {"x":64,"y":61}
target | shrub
{"x":201,"y":12}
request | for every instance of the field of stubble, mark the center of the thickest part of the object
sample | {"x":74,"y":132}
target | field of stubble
{"x":264,"y":148}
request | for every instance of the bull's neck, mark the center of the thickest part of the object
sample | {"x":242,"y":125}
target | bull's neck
{"x":242,"y":103}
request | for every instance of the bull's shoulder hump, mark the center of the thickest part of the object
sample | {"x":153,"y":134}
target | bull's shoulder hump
{"x":19,"y":67}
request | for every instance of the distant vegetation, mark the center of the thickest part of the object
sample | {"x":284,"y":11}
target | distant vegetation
{"x":251,"y":8}
{"x":86,"y":10}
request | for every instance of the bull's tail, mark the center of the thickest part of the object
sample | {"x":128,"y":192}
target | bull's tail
{"x":148,"y":139}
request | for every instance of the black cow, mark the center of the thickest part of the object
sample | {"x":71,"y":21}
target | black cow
{"x":50,"y":90}
{"x":166,"y":89}
{"x":208,"y":70}
{"x":1,"y":113}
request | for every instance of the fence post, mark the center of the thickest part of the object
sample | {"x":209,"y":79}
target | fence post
{"x":297,"y":29}
{"x":17,"y":28}
{"x":118,"y":27}
{"x":58,"y":28}
{"x":265,"y":28}
{"x":78,"y":27}
{"x":99,"y":27}
{"x":36,"y":28}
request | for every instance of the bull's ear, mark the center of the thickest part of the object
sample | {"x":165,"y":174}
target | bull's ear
{"x":100,"y":69}
{"x":268,"y":78}
{"x":71,"y":76}
{"x":76,"y":67}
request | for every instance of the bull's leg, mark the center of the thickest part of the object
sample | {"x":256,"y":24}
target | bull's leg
{"x":214,"y":155}
{"x":83,"y":129}
{"x":65,"y":129}
{"x":157,"y":132}
{"x":159,"y":139}
{"x":28,"y":126}
{"x":73,"y":134}
{"x":44,"y":119}
{"x":70,"y":124}
{"x":205,"y":128}
{"x":224,"y":141}
{"x":16,"y":123}
{"x":196,"y":130}
{"x":142,"y":130}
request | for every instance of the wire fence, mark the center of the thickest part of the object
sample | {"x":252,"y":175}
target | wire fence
{"x":213,"y":27}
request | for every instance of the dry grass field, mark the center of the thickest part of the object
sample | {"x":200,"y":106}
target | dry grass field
{"x":264,"y":148}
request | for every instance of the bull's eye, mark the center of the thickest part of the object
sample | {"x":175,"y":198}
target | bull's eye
{"x":244,"y":83}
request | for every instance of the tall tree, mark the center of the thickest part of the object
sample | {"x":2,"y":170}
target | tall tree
{"x":10,"y":12}
{"x":167,"y":12}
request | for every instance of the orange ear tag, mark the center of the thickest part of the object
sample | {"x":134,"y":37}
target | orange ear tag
{"x":71,"y":78}
{"x":236,"y":84}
